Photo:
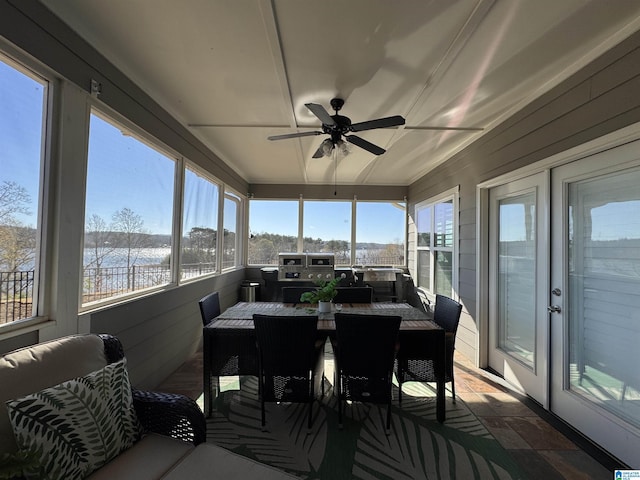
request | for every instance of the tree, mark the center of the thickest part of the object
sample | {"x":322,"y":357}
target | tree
{"x":202,"y":242}
{"x":13,"y":199}
{"x":98,"y":238}
{"x":130,"y":235}
{"x":17,"y":242}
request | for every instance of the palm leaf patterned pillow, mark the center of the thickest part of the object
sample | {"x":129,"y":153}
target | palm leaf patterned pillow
{"x":79,"y":425}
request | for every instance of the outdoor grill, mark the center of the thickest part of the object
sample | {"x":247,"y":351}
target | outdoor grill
{"x":305,"y":266}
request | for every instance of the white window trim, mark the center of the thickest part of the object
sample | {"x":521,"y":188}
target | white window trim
{"x":454,"y":195}
{"x":230,"y":194}
{"x":16,"y":59}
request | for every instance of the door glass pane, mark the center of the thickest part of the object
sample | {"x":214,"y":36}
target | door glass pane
{"x":443,"y":272}
{"x":424,"y":271}
{"x":443,"y":224}
{"x":604,"y":292}
{"x":516,"y":277}
{"x":423,"y":225}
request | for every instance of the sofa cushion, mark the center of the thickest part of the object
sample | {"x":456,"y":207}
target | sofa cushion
{"x":40,"y":366}
{"x":78,"y":425}
{"x":210,"y":461}
{"x":150,"y":458}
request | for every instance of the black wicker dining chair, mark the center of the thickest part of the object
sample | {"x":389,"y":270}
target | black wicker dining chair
{"x":364,"y":355}
{"x":353,"y":295}
{"x":209,"y":307}
{"x":415,"y":362}
{"x":290,"y":360}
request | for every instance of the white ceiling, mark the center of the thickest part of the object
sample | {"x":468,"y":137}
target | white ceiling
{"x":236,"y":71}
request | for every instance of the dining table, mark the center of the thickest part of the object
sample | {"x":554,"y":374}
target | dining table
{"x":229,"y":342}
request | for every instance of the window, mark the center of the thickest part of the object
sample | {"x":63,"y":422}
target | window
{"x":23,"y":98}
{"x":380,"y":228}
{"x":199,"y":225}
{"x":273,"y":229}
{"x":436,"y":249}
{"x":128,"y":213}
{"x":231,"y":222}
{"x":327,"y":228}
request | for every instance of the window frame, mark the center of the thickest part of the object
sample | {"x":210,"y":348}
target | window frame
{"x":187,"y":164}
{"x":353,"y":232}
{"x":11,"y":57}
{"x":452,"y":195}
{"x":228,"y":193}
{"x":117,"y":120}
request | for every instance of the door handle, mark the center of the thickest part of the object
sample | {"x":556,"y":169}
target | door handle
{"x":554,"y":309}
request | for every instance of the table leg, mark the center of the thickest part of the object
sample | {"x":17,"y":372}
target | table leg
{"x":440,"y":375}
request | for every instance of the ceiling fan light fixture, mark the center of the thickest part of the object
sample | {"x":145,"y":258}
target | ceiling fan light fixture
{"x":343,"y":148}
{"x":327,"y":147}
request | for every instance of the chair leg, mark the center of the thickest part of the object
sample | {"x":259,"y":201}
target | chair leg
{"x":399,"y":390}
{"x":339,"y":403}
{"x":453,"y":390}
{"x":388,"y":429}
{"x":263,"y":414}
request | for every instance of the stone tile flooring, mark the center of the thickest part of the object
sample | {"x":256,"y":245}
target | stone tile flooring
{"x":544,"y":447}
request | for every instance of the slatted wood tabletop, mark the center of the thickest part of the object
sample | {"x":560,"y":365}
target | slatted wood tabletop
{"x":241,"y":314}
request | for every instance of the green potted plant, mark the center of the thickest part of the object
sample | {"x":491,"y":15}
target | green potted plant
{"x":323,"y":294}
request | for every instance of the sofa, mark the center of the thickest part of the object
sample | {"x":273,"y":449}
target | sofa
{"x":67,"y":410}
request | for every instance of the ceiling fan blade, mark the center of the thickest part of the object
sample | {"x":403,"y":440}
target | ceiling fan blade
{"x":458,"y":129}
{"x":293,"y":135}
{"x":385,"y":122}
{"x":362,"y":143}
{"x":320,"y":112}
{"x":319,"y":153}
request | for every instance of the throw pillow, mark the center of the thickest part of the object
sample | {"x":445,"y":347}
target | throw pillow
{"x":79,"y":425}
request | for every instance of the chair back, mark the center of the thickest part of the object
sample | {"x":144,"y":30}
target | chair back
{"x":366,"y":344}
{"x":286,"y":344}
{"x":292,"y":294}
{"x":209,"y":307}
{"x":353,"y":295}
{"x":447,"y":313}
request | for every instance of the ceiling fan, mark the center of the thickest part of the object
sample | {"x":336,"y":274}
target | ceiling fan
{"x":338,"y":126}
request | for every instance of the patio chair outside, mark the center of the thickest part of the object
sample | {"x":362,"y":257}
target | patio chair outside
{"x":354,"y":295}
{"x":209,"y":307}
{"x":415,"y":362}
{"x":365,"y":353}
{"x":290,"y":360}
{"x":292,"y":294}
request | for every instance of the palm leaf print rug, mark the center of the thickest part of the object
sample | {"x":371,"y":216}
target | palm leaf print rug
{"x":418,"y":447}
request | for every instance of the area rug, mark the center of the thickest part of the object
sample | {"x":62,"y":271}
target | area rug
{"x":418,"y":446}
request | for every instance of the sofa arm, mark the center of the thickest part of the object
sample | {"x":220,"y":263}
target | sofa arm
{"x":170,"y":414}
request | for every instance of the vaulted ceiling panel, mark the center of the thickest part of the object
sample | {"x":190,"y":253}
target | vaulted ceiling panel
{"x":237,"y":72}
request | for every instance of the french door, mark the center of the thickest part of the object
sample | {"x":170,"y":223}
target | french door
{"x":564,"y":293}
{"x":595,"y":304}
{"x":518,"y":283}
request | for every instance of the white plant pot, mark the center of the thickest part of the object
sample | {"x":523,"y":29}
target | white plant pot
{"x":324,"y":307}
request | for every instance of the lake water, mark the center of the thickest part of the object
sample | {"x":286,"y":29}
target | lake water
{"x":118,"y":257}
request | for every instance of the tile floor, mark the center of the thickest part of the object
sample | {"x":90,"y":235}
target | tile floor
{"x":545,"y":448}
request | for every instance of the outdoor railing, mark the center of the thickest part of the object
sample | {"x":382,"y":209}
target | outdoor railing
{"x":16,"y":295}
{"x":98,"y":283}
